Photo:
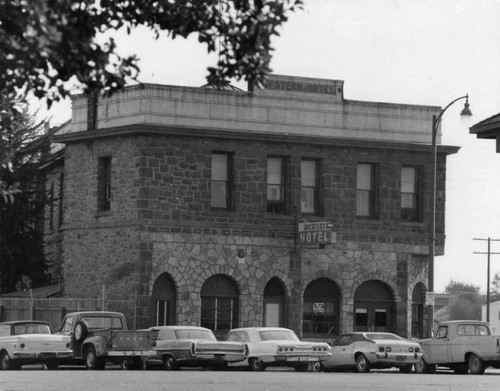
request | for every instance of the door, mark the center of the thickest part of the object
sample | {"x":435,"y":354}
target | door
{"x":373,"y":307}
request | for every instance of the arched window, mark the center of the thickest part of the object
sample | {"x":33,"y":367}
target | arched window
{"x":163,"y":300}
{"x":374,"y":307}
{"x":274,"y":303}
{"x":219,"y":304}
{"x":417,"y":311}
{"x":321,"y":307}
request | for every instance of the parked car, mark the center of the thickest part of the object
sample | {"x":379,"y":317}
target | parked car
{"x":461,"y":345}
{"x":277,"y":346}
{"x":99,"y":337}
{"x":192,"y":346}
{"x":27,"y":342}
{"x":361,"y":351}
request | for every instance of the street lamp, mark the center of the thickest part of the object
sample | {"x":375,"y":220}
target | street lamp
{"x":465,"y":116}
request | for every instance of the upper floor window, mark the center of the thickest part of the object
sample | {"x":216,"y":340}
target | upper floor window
{"x":409,"y":194}
{"x":276,"y":185}
{"x":309,"y":191}
{"x":365,"y":191}
{"x":221,"y":180}
{"x":104,"y":184}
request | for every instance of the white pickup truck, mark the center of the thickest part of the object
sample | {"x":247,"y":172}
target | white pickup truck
{"x":461,"y":345}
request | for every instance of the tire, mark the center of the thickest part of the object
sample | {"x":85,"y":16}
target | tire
{"x":81,"y":331}
{"x":406,"y":368}
{"x":302,"y":367}
{"x":316,"y":366}
{"x":362,"y":364}
{"x":476,"y":364}
{"x":170,"y":363}
{"x":256,"y":364}
{"x":92,"y":362}
{"x":6,"y":363}
{"x":421,"y":367}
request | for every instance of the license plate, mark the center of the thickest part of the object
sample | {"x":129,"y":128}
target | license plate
{"x":219,"y":357}
{"x":400,"y":358}
{"x":48,"y":355}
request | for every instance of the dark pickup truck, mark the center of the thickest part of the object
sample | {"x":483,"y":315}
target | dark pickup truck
{"x":99,"y":337}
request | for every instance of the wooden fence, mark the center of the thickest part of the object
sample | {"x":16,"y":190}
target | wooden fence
{"x":53,"y":310}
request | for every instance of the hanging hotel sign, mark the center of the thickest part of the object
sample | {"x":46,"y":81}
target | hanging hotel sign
{"x":316,"y":233}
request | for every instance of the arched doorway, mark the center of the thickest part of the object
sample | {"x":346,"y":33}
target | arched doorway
{"x":374,"y":307}
{"x":274,"y":303}
{"x":321,"y":311}
{"x":163,"y":300}
{"x":219,"y":304}
{"x":417,"y":311}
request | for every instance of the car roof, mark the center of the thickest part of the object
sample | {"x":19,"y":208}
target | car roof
{"x":179,"y":328}
{"x":261,"y":329}
{"x":96,"y":313}
{"x":11,"y":322}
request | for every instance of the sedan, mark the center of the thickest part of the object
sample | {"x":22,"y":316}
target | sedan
{"x":361,"y":351}
{"x":27,"y":342}
{"x":192,"y":346}
{"x":277,"y":346}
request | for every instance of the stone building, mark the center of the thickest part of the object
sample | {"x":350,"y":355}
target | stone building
{"x":287,"y":205}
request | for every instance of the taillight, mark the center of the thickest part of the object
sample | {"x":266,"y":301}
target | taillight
{"x":193,"y":349}
{"x":381,"y":349}
{"x":68,"y":345}
{"x":410,"y":350}
{"x":22,"y":346}
{"x":417,"y":350}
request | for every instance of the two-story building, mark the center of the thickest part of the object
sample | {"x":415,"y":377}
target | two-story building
{"x":287,"y":205}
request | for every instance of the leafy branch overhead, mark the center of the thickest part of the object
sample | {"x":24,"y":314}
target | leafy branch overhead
{"x":44,"y":44}
{"x":48,"y":46}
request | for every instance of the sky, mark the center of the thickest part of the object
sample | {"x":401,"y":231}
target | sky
{"x":426,"y":52}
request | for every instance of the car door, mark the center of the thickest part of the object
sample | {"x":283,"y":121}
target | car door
{"x":342,"y":354}
{"x":439,"y":347}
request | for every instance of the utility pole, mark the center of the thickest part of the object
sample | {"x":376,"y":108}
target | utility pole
{"x":489,"y":240}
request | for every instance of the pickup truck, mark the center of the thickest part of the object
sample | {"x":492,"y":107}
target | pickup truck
{"x":461,"y":345}
{"x":98,"y":337}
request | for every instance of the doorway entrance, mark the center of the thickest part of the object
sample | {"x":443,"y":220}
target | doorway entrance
{"x":374,"y":307}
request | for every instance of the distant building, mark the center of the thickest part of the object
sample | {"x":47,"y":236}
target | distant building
{"x":287,"y":205}
{"x":494,"y":316}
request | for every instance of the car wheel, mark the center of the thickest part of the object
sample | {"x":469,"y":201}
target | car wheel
{"x":406,"y":368}
{"x":93,"y":362}
{"x":476,"y":365}
{"x":170,"y":363}
{"x":421,"y":366}
{"x":362,"y":364}
{"x":316,"y":366}
{"x":6,"y":363}
{"x":256,"y":364}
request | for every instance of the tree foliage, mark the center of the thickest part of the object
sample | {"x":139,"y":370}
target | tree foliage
{"x":461,"y":287}
{"x":46,"y":44}
{"x":467,"y":304}
{"x":22,"y":262}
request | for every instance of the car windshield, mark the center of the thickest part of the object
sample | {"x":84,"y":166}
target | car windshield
{"x":105,"y":322}
{"x":384,"y":336}
{"x":194,"y":334}
{"x":31,"y":328}
{"x":278,"y":335}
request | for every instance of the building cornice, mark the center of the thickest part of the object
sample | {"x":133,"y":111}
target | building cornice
{"x":157,"y":130}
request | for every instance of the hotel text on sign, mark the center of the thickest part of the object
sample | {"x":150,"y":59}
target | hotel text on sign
{"x":315,"y":233}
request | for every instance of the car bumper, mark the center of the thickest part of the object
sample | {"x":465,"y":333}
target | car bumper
{"x":131,"y":353}
{"x":43,"y":355}
{"x":398,"y":358}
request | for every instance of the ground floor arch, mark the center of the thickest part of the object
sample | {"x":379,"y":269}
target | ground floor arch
{"x":163,"y":301}
{"x":374,"y":307}
{"x":274,"y":303}
{"x":219,"y":304}
{"x":418,"y":311}
{"x":321,"y":309}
